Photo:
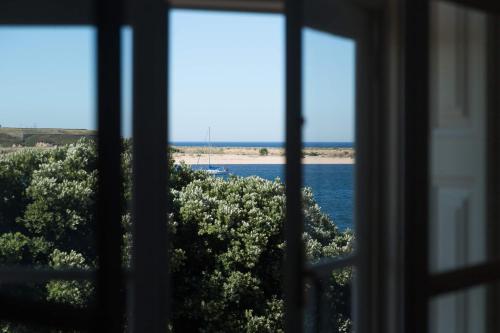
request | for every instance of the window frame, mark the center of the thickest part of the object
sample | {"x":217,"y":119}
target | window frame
{"x":150,"y":22}
{"x":107,"y":309}
{"x":420,"y":285}
{"x":357,"y":21}
{"x":361,"y":24}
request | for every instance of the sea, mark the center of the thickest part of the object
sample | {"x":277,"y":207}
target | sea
{"x":331,"y":184}
{"x":259,"y":144}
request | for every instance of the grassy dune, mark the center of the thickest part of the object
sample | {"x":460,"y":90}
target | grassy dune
{"x":30,"y":137}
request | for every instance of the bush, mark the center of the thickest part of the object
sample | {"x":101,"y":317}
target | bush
{"x":174,"y":150}
{"x":226,"y":249}
{"x":263,"y":152}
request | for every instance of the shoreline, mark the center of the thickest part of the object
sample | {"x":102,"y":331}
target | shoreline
{"x":253,"y":155}
{"x":222,"y":156}
{"x":248,"y":159}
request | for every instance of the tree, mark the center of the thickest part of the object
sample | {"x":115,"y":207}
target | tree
{"x":229,"y":247}
{"x":227,"y":243}
{"x":263,"y":152}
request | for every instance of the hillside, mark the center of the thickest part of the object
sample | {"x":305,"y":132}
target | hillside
{"x":29,"y":137}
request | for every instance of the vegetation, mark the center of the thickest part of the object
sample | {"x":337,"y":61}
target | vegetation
{"x":227,"y":239}
{"x":30,"y":137}
{"x":174,"y":150}
{"x":263,"y":152}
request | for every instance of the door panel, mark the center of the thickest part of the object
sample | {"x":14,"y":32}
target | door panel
{"x":458,"y":108}
{"x":461,"y":145}
{"x":463,"y":311}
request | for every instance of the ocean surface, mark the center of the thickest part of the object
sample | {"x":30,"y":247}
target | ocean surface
{"x":332,"y":186}
{"x":262,"y":144}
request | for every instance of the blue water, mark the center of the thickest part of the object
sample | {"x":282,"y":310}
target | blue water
{"x":332,"y":186}
{"x":262,"y":144}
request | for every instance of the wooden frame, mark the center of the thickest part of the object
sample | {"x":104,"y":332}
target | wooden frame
{"x":415,"y":164}
{"x":294,"y":255}
{"x":150,"y":186}
{"x":108,"y":311}
{"x":362,"y":24}
{"x":149,"y":276}
{"x":420,"y":284}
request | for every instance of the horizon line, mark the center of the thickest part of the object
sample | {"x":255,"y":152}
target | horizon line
{"x":263,"y":141}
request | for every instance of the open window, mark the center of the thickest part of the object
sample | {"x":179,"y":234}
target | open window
{"x":327,"y":39}
{"x":334,"y":22}
{"x":452,"y":191}
{"x":93,"y":84}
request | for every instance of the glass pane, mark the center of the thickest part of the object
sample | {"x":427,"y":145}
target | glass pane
{"x":226,"y":136}
{"x":328,"y":169}
{"x":328,"y":135}
{"x":458,"y":137}
{"x":74,"y":294}
{"x":328,"y":148}
{"x":126,"y":132}
{"x":48,"y":154}
{"x":472,"y":310}
{"x":17,"y":327}
{"x":127,"y":154}
{"x":328,"y":303}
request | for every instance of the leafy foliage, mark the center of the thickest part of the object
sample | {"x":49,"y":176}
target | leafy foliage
{"x":227,"y":242}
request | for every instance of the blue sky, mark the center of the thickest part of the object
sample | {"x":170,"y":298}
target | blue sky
{"x":227,"y":72}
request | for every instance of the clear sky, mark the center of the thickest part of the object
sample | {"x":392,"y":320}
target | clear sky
{"x":227,"y":72}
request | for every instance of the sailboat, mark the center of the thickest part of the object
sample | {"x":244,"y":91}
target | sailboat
{"x":212,"y":170}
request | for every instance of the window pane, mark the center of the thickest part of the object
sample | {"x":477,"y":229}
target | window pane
{"x":77,"y":295}
{"x":458,"y":230}
{"x":328,"y":171}
{"x":127,"y":139}
{"x":127,"y":155}
{"x":328,"y":302}
{"x":16,"y":327}
{"x":328,"y":135}
{"x":48,"y":156}
{"x":227,"y":125}
{"x":48,"y":132}
{"x":472,"y":310}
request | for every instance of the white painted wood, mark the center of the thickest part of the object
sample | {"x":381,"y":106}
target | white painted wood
{"x":458,"y":160}
{"x":458,"y":135}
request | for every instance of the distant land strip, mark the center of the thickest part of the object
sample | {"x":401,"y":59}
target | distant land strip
{"x":12,"y":139}
{"x":44,"y":137}
{"x":257,"y":155}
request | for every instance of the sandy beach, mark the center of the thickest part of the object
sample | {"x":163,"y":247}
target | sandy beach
{"x":245,"y":155}
{"x":231,"y":155}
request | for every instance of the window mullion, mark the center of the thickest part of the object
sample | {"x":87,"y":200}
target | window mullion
{"x":31,"y":275}
{"x":446,"y":282}
{"x":109,"y":282}
{"x":324,"y":269}
{"x":415,"y":163}
{"x":150,"y":169}
{"x":294,"y":262}
{"x":28,"y":12}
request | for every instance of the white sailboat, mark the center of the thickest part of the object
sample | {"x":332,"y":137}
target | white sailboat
{"x":213,"y":170}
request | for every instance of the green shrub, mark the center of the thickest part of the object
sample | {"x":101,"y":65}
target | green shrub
{"x":263,"y":152}
{"x":174,"y":150}
{"x":227,"y":243}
